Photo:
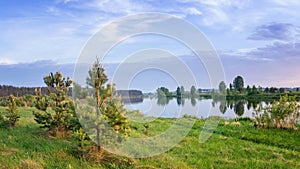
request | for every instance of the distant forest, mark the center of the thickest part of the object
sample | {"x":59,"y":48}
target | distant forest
{"x":6,"y":90}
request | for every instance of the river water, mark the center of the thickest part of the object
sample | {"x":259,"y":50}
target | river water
{"x":202,"y":108}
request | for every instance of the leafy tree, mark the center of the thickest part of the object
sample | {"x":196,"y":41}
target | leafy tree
{"x":260,"y":89}
{"x":178,"y":92}
{"x":222,"y":87}
{"x":248,"y":89}
{"x":254,"y":90}
{"x":56,"y":110}
{"x":228,"y":92}
{"x":230,"y":86}
{"x":281,"y":90}
{"x":163,"y":92}
{"x":193,"y":91}
{"x":266,"y":90}
{"x":273,"y":90}
{"x":182,"y":90}
{"x":238,"y":83}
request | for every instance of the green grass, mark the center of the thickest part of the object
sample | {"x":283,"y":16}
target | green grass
{"x":27,"y":146}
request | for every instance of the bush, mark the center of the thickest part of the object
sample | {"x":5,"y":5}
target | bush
{"x":281,"y":114}
{"x":10,"y":117}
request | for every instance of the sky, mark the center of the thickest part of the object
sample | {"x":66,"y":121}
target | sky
{"x":259,"y":40}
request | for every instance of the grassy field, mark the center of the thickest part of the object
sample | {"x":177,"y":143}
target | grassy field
{"x":27,"y":146}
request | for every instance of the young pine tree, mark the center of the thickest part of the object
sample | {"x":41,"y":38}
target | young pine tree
{"x":56,"y":110}
{"x":13,"y":116}
{"x":104,"y":120}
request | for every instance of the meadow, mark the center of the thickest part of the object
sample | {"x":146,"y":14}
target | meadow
{"x":230,"y":146}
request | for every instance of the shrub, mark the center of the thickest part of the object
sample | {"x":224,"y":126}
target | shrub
{"x":281,"y":114}
{"x":10,"y":118}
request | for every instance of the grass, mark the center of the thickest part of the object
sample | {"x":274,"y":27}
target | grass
{"x":230,"y":146}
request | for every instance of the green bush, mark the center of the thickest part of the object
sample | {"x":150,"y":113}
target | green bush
{"x":10,"y":117}
{"x":281,"y":114}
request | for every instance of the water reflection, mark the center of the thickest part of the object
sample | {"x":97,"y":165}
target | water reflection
{"x":239,"y":108}
{"x":163,"y":100}
{"x":224,"y":107}
{"x":193,"y":101}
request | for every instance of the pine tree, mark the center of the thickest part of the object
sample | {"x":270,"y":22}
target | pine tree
{"x":56,"y":110}
{"x":12,"y":106}
{"x":103,"y":118}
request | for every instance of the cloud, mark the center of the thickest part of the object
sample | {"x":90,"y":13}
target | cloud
{"x":279,"y":51}
{"x":193,"y":11}
{"x":214,"y":16}
{"x":275,"y":31}
{"x":7,"y":61}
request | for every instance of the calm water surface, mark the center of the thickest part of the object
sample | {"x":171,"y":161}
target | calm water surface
{"x":202,"y":108}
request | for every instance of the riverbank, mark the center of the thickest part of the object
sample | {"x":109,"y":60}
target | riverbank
{"x":232,"y":145}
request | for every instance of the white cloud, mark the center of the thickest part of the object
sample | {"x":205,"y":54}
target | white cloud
{"x":214,"y":16}
{"x":117,"y":6}
{"x":193,"y":11}
{"x":7,"y":61}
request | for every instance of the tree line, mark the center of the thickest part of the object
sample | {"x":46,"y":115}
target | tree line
{"x":237,"y":88}
{"x":6,"y":90}
{"x":179,"y":93}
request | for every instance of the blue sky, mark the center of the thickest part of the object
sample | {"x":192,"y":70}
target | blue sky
{"x":259,"y":40}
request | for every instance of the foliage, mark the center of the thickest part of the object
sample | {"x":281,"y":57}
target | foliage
{"x":193,"y":91}
{"x":223,"y":107}
{"x":164,"y":92}
{"x":86,"y":149}
{"x":79,"y":92}
{"x":238,"y":83}
{"x":182,"y":90}
{"x":229,"y":147}
{"x":281,"y":90}
{"x":178,"y":92}
{"x":13,"y":116}
{"x":239,"y":108}
{"x":103,"y":117}
{"x":284,"y":113}
{"x":28,"y":100}
{"x":222,"y":87}
{"x":56,"y":110}
{"x":10,"y":119}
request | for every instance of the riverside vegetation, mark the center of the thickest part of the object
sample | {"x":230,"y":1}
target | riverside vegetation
{"x":231,"y":146}
{"x":49,"y":135}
